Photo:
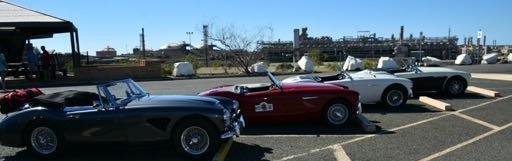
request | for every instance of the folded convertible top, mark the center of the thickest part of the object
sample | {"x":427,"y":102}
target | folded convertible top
{"x":62,"y":99}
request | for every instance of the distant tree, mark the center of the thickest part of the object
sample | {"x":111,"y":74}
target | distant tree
{"x":193,"y":60}
{"x":316,"y":56}
{"x":240,"y":45}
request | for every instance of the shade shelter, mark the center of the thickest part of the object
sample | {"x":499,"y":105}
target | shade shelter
{"x":19,"y":25}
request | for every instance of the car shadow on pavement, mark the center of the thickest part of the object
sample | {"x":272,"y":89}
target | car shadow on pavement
{"x":303,"y":128}
{"x":119,"y":152}
{"x":246,"y":152}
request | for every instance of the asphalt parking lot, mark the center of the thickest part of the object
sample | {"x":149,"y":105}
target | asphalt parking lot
{"x":479,"y":129}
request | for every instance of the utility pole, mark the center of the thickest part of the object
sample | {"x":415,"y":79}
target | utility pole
{"x":143,"y":45}
{"x":205,"y":42}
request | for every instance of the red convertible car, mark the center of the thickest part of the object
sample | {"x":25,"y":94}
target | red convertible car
{"x":276,"y":101}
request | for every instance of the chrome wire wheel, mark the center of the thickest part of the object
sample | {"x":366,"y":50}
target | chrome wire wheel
{"x":337,"y":114}
{"x":195,"y":140}
{"x":394,"y":98}
{"x":43,"y":140}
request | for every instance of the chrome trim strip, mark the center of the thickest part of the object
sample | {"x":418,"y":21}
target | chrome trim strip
{"x":309,"y":97}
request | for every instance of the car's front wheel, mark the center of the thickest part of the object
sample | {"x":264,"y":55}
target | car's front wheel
{"x":43,"y":140}
{"x":337,"y":113}
{"x":394,"y":96}
{"x":455,"y":86}
{"x":196,"y":138}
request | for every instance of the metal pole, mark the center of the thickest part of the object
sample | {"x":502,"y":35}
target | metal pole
{"x":143,"y":45}
{"x":190,"y":38}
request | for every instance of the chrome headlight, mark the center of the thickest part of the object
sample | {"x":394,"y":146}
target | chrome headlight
{"x":236,"y":106}
{"x":226,"y":117}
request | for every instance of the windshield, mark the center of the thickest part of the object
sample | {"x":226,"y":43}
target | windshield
{"x":409,"y":65}
{"x":120,"y":93}
{"x":274,"y":80}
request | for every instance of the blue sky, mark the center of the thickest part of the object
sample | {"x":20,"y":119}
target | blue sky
{"x":117,"y":23}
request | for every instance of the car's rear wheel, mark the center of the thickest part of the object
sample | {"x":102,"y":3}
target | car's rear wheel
{"x":455,"y":86}
{"x":43,"y":140}
{"x":337,"y":113}
{"x":196,"y":138}
{"x":394,"y":96}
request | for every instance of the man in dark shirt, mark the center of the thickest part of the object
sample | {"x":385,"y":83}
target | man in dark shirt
{"x":45,"y":62}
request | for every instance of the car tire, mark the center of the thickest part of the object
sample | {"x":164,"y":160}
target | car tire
{"x":196,"y":139}
{"x":43,"y":140}
{"x":337,"y":113}
{"x":394,"y":96}
{"x":455,"y":86}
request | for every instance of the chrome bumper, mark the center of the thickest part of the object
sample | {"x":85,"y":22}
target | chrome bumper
{"x":237,"y":126}
{"x":410,"y":92}
{"x":359,"y":108}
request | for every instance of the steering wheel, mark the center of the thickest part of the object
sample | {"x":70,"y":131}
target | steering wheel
{"x":317,"y":78}
{"x":272,"y":86}
{"x":342,"y":76}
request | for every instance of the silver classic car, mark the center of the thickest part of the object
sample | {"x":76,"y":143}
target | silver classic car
{"x":373,"y":87}
{"x":446,"y":80}
{"x":121,"y":111}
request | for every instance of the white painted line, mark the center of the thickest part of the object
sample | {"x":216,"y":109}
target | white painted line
{"x":394,"y":129}
{"x":465,"y":143}
{"x":291,"y":136}
{"x":223,"y":151}
{"x":437,"y":104}
{"x":340,"y":154}
{"x":484,"y":92}
{"x":494,"y":127}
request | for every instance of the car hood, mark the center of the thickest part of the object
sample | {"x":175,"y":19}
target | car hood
{"x":299,"y":78}
{"x":311,"y":86}
{"x":368,"y":74}
{"x":362,"y":75}
{"x":173,"y":101}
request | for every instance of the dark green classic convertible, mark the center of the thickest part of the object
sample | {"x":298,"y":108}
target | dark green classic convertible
{"x":121,"y":111}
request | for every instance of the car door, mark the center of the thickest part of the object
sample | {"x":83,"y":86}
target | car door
{"x":369,"y":89}
{"x":424,"y":81}
{"x":266,"y":106}
{"x":94,"y":126}
{"x":145,"y":124}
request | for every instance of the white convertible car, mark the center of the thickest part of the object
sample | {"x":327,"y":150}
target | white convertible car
{"x":446,"y":80}
{"x":373,"y":87}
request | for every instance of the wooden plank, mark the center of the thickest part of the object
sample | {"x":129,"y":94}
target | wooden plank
{"x":484,"y":92}
{"x":437,"y":104}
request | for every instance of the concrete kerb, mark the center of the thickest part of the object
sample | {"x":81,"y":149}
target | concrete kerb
{"x":366,"y":124}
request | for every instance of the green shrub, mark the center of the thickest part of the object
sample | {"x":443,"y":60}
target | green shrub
{"x":167,"y":68}
{"x":193,"y":60}
{"x":316,"y":56}
{"x":370,"y":63}
{"x":333,"y":66}
{"x":283,"y":67}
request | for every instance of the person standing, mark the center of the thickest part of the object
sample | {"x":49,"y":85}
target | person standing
{"x":45,"y":62}
{"x":3,"y":68}
{"x":32,"y":60}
